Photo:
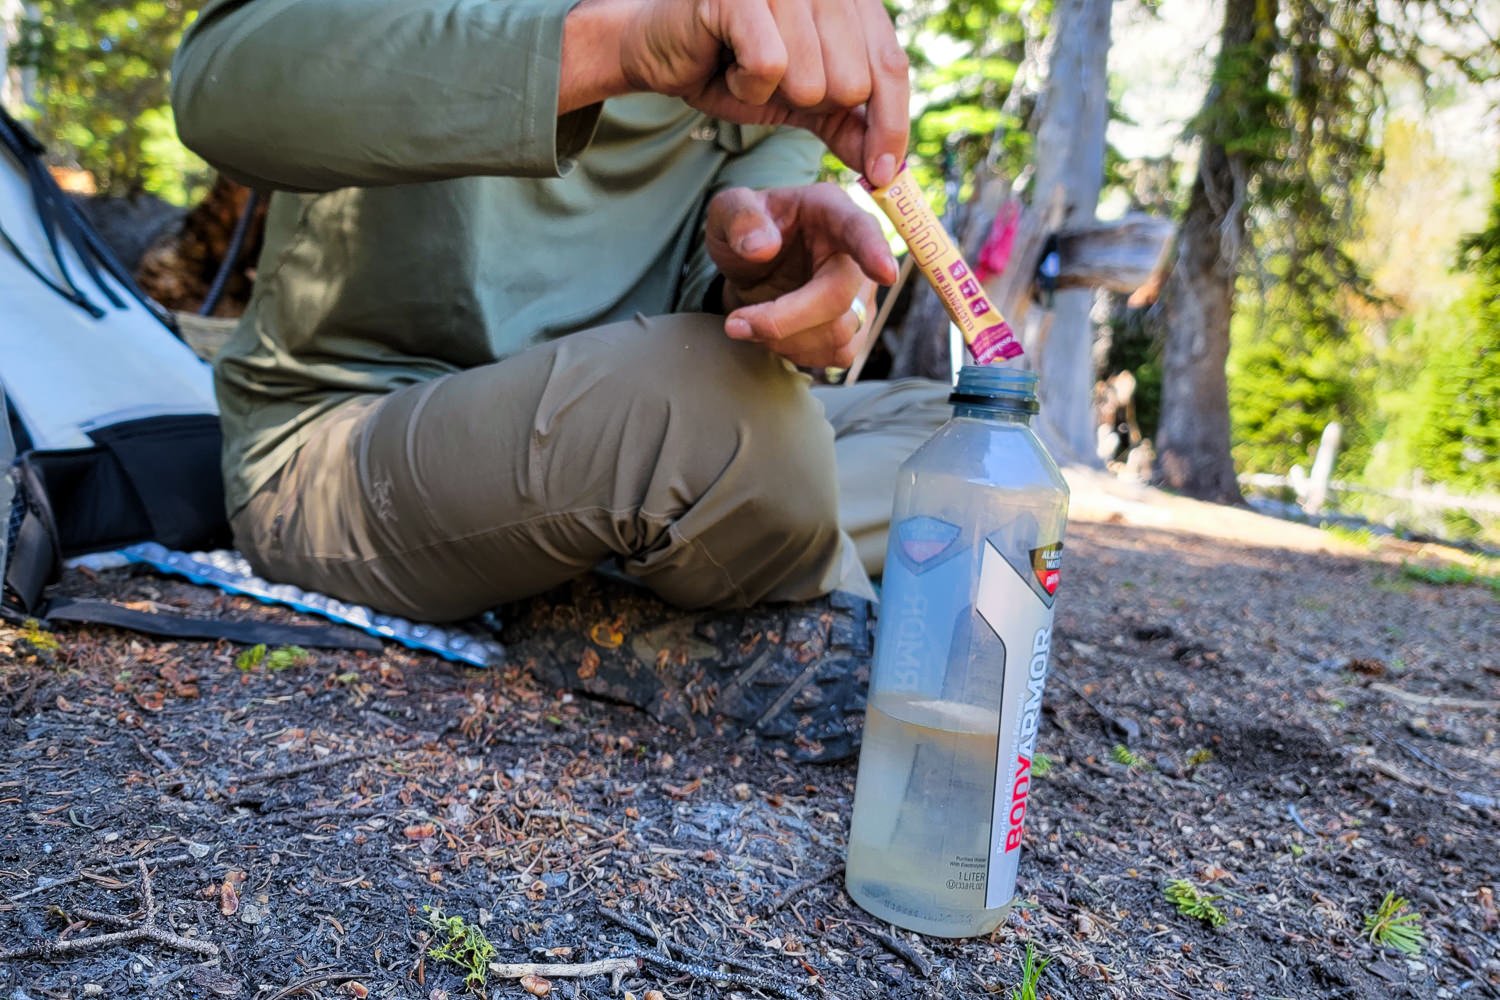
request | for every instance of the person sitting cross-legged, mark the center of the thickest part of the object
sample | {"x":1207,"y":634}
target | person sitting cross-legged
{"x":539,"y":278}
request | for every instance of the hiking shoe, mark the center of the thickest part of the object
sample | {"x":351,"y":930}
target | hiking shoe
{"x":791,"y":675}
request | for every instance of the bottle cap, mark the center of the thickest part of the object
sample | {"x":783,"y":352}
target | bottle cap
{"x":987,"y":385}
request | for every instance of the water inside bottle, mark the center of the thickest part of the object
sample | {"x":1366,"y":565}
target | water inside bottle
{"x":919,"y":850}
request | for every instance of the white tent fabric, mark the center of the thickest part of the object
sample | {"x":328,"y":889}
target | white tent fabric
{"x":63,"y":370}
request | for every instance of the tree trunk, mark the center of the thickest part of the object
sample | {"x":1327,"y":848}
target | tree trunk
{"x":1197,"y":300}
{"x":1070,"y":158}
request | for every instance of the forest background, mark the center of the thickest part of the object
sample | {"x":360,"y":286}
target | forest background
{"x":1364,"y":138}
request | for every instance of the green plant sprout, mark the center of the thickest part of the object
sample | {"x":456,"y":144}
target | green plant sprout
{"x":1199,"y":757}
{"x":1392,"y":925}
{"x":276,"y":660}
{"x":463,"y":944}
{"x":1032,"y":967}
{"x":1041,"y":765}
{"x":1121,"y":754}
{"x":44,"y":643}
{"x":1193,"y":902}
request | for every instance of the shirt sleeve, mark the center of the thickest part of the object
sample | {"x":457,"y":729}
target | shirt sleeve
{"x":312,"y":95}
{"x":759,"y":158}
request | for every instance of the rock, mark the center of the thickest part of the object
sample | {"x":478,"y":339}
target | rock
{"x":252,"y":913}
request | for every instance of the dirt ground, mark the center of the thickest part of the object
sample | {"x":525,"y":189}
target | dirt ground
{"x":1310,"y":728}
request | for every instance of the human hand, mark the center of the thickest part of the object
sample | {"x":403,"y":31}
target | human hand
{"x":833,"y":67}
{"x":793,"y":261}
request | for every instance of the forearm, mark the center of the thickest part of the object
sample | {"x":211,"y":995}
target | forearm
{"x":320,"y":94}
{"x":591,"y":67}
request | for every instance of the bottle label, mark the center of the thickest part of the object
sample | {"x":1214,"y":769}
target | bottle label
{"x":925,"y":587}
{"x":1016,"y":603}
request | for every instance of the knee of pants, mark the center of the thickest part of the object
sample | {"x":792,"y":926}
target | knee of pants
{"x":763,"y":497}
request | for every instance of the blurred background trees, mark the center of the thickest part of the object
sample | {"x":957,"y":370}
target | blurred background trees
{"x":96,"y":86}
{"x":1333,"y":167}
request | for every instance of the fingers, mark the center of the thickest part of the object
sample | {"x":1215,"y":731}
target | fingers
{"x":843,"y":53}
{"x":740,"y":224}
{"x":804,"y":85}
{"x":760,"y":53}
{"x":827,"y":210}
{"x":822,"y":302}
{"x":888,"y":114}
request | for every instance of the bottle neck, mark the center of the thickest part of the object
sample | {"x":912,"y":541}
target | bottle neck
{"x":994,"y":412}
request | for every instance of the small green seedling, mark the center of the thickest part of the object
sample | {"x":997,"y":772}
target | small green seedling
{"x":1199,"y":757}
{"x":276,"y":660}
{"x":1121,"y":754}
{"x":463,"y":944}
{"x":1032,"y":967}
{"x":1392,"y":925}
{"x":1041,"y":765}
{"x":1193,"y":902}
{"x":43,"y":643}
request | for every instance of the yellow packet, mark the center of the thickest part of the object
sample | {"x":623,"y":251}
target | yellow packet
{"x":989,"y":337}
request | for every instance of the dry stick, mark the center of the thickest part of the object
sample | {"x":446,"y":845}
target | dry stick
{"x":881,"y":315}
{"x":801,"y":887}
{"x":147,"y":930}
{"x":603,"y":967}
{"x":80,"y":876}
{"x":635,"y":927}
{"x":327,"y":977}
{"x":1435,"y":701}
{"x":312,"y":765}
{"x":646,"y":933}
{"x":715,"y":976}
{"x":913,"y":957}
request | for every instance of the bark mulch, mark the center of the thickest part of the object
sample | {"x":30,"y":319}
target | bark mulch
{"x":1296,"y":733}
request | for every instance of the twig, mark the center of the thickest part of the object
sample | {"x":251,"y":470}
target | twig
{"x":647,"y":933}
{"x":26,"y":696}
{"x":80,"y":876}
{"x":640,"y":930}
{"x":913,"y":957}
{"x":1418,"y":755}
{"x":1436,"y":701}
{"x":617,"y":966}
{"x":1431,"y":787}
{"x":147,"y":930}
{"x":715,"y":976}
{"x":833,"y":871}
{"x":1127,"y":728}
{"x":326,"y":977}
{"x":313,"y":765}
{"x":333,"y":813}
{"x":1291,"y":810}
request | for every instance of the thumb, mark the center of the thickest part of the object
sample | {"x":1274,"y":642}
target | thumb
{"x":740,"y":221}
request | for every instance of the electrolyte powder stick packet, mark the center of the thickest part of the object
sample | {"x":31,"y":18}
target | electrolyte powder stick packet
{"x":989,"y":337}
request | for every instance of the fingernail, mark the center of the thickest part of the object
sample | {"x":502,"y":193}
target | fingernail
{"x":737,"y":328}
{"x":884,"y":171}
{"x":755,"y":242}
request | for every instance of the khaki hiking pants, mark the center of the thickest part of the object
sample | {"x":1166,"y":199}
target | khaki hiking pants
{"x":711,"y":471}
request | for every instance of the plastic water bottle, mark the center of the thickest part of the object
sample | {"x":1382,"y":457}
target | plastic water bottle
{"x":961,"y":656}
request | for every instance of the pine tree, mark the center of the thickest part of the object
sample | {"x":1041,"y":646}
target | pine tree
{"x":1287,"y":139}
{"x":1459,"y":434}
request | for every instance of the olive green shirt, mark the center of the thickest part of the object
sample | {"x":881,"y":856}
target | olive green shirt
{"x":435,"y":213}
